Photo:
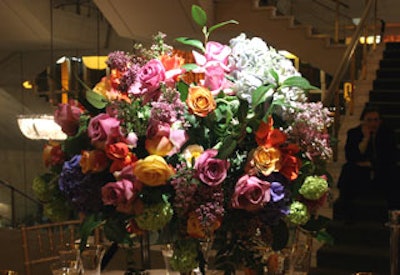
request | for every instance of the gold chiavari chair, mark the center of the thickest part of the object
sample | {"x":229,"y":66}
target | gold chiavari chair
{"x":41,"y":244}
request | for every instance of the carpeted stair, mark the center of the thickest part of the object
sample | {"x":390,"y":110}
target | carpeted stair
{"x":363,"y":245}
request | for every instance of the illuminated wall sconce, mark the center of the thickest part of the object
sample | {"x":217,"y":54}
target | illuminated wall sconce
{"x":40,"y":127}
{"x":27,"y":85}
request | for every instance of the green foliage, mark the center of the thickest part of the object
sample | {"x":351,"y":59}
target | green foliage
{"x":97,"y":100}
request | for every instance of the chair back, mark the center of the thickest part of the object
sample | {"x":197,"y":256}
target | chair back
{"x":42,"y":243}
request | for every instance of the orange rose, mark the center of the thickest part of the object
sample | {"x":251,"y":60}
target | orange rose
{"x":93,"y":161}
{"x":200,"y":101}
{"x":117,"y":151}
{"x":290,"y":166}
{"x":118,"y":164}
{"x":266,"y":160}
{"x":158,"y":145}
{"x":153,"y":170}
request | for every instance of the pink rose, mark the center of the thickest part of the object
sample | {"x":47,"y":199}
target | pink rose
{"x":67,"y":116}
{"x":215,"y":79}
{"x":251,"y":193}
{"x":150,"y":76}
{"x":217,"y":52}
{"x":210,"y":170}
{"x":121,"y":194}
{"x":103,"y":130}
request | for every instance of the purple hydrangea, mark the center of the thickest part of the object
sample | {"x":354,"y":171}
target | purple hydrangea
{"x":82,"y":190}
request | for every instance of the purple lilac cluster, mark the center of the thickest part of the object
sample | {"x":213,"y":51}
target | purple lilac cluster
{"x":210,"y":201}
{"x":169,"y":107}
{"x":118,"y":60}
{"x":309,"y":130}
{"x":185,"y":187}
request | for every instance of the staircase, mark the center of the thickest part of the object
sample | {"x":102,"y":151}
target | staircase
{"x":386,"y":87}
{"x":364,"y":246}
{"x":278,"y":31}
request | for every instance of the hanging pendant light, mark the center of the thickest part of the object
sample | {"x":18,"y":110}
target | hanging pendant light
{"x":43,"y":126}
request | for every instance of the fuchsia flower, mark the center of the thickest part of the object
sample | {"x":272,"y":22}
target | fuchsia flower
{"x":251,"y":193}
{"x":120,"y":194}
{"x":210,"y":170}
{"x":104,"y":129}
{"x":67,"y":116}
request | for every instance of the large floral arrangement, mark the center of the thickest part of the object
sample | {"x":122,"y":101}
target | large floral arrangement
{"x":220,"y":143}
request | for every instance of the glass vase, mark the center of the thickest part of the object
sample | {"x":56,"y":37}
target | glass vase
{"x":91,"y":257}
{"x":299,"y":256}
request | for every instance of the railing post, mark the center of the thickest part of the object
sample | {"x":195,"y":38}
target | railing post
{"x":394,"y":241}
{"x":13,"y":214}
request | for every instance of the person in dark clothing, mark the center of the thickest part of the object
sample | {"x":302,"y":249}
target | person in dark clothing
{"x":370,"y":152}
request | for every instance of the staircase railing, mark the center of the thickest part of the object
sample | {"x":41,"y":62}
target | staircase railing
{"x":15,"y":191}
{"x":332,"y":94}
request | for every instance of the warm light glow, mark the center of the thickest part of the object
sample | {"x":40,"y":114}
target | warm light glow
{"x":27,"y":85}
{"x":95,"y":62}
{"x":40,"y":127}
{"x":370,"y":39}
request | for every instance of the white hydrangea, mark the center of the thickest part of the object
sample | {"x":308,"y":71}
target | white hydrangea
{"x":251,"y":62}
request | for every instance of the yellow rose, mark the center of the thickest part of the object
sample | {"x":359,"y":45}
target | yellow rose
{"x":266,"y":160}
{"x":200,"y":101}
{"x":153,"y":170}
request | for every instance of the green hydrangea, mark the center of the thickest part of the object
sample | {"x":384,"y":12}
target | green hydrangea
{"x":314,"y":187}
{"x":155,"y":217}
{"x":44,"y":187}
{"x":57,"y":210}
{"x":298,"y":213}
{"x":184,"y":258}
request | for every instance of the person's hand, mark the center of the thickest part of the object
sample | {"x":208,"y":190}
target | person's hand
{"x":366,"y":131}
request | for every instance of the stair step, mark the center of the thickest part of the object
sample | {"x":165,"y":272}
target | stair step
{"x":374,"y":233}
{"x":393,"y":121}
{"x":386,"y":83}
{"x":391,"y":53}
{"x":392,"y":45}
{"x":388,"y":72}
{"x":384,"y":95}
{"x":390,"y":63}
{"x":386,"y":107}
{"x":357,"y":258}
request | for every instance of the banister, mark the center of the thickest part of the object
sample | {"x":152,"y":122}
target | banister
{"x":14,"y":190}
{"x":332,"y":94}
{"x":345,"y":61}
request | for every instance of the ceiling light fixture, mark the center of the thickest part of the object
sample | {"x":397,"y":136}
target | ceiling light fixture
{"x":40,"y":127}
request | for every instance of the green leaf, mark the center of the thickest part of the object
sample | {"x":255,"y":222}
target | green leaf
{"x":298,"y":81}
{"x":87,"y":227}
{"x":324,"y":236}
{"x":274,"y":75}
{"x":260,"y":95}
{"x":219,"y":25}
{"x":227,"y":147}
{"x":316,"y":224}
{"x":199,"y":15}
{"x":96,"y":100}
{"x":191,"y":42}
{"x":190,"y":66}
{"x":183,"y":89}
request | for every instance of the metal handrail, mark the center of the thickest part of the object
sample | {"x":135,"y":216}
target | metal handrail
{"x":13,"y":208}
{"x":332,"y":94}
